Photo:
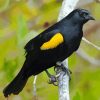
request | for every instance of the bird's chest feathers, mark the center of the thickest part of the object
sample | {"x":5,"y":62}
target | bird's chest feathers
{"x":74,"y":41}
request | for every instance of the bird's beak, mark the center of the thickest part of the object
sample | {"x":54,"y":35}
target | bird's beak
{"x":90,"y":17}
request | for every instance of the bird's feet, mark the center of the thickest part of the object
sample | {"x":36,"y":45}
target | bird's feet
{"x":61,"y":67}
{"x":52,"y":79}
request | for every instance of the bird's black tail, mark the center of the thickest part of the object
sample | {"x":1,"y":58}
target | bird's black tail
{"x":16,"y":85}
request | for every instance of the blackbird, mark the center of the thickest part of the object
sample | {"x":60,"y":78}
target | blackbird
{"x":53,"y":45}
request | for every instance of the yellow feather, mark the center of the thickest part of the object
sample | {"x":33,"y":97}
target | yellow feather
{"x":56,"y":40}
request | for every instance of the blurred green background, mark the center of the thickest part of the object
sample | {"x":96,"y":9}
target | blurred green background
{"x":21,"y":20}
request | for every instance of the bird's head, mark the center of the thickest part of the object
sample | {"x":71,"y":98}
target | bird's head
{"x":85,"y":15}
{"x":81,"y":15}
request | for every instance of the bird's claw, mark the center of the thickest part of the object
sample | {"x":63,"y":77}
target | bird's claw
{"x":58,"y":68}
{"x":61,"y":67}
{"x":53,"y":80}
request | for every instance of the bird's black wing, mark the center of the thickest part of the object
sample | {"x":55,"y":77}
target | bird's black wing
{"x":44,"y":41}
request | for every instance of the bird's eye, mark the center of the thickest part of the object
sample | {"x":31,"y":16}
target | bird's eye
{"x":82,"y":14}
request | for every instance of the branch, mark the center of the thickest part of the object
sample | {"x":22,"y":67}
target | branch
{"x":88,"y":58}
{"x":93,"y":27}
{"x":67,"y":7}
{"x":63,"y":80}
{"x":90,"y":43}
{"x":34,"y":87}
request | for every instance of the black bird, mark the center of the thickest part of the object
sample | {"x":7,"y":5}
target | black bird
{"x":54,"y":44}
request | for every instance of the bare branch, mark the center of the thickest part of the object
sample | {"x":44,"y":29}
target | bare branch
{"x":34,"y":87}
{"x":88,"y":58}
{"x":67,"y":7}
{"x":90,"y":43}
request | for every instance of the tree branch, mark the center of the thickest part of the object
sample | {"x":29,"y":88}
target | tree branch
{"x":88,"y":58}
{"x":90,"y":43}
{"x":34,"y":87}
{"x":63,"y":80}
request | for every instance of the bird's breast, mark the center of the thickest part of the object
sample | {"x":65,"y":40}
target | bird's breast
{"x":53,"y":55}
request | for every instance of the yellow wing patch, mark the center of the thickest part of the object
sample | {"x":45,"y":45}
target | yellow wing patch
{"x":56,"y":40}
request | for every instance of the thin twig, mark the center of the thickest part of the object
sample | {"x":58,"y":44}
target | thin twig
{"x":90,"y":43}
{"x":88,"y":58}
{"x":34,"y":84}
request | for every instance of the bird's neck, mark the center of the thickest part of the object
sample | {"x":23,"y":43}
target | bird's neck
{"x":77,"y":22}
{"x":72,"y":22}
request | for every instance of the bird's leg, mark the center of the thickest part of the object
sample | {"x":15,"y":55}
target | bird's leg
{"x":52,"y":78}
{"x":61,"y":67}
